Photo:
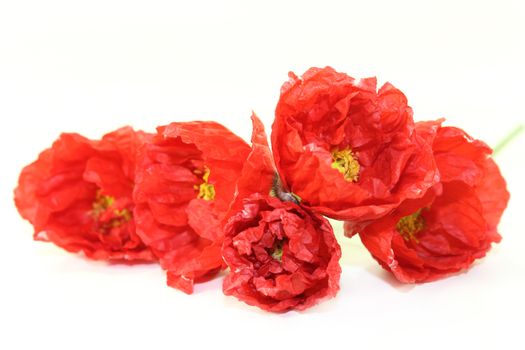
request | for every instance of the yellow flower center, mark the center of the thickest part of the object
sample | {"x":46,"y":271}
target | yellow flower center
{"x":277,"y":250}
{"x":345,"y":161}
{"x":102,"y":204}
{"x":206,"y":190}
{"x":410,"y":225}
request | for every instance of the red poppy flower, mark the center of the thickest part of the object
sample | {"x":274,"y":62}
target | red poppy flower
{"x":184,"y":186}
{"x":78,"y":195}
{"x":281,"y":256}
{"x":454,"y":224}
{"x":347,"y":150}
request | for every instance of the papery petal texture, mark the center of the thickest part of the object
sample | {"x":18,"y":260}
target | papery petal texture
{"x":78,"y":195}
{"x":281,"y":256}
{"x":454,"y":224}
{"x":185,"y":185}
{"x":348,"y":150}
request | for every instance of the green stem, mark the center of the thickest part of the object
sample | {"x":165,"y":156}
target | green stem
{"x":512,"y":135}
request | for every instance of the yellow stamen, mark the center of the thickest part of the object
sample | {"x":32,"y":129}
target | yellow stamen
{"x":206,"y":190}
{"x":277,"y":250}
{"x":125,"y":214}
{"x":345,"y":161}
{"x":410,"y":225}
{"x":101,"y":204}
{"x":104,"y":202}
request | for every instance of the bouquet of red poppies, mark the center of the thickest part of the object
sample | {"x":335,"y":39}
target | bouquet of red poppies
{"x":425,"y":199}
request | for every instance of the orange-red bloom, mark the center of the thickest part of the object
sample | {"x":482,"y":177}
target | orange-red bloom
{"x":347,"y":150}
{"x":281,"y":256}
{"x":78,"y":195}
{"x":454,"y":224}
{"x":184,"y":186}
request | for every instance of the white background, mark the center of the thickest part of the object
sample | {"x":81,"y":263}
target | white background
{"x":93,"y":66}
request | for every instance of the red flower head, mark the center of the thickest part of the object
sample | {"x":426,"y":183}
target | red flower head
{"x":454,"y":224}
{"x":281,"y":256}
{"x":78,"y":195}
{"x":184,"y":187}
{"x":347,"y":150}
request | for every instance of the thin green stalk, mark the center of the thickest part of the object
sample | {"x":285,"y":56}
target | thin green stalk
{"x":512,"y":135}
